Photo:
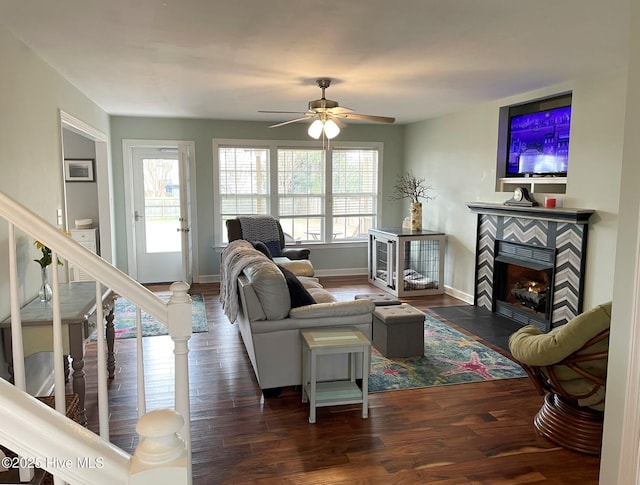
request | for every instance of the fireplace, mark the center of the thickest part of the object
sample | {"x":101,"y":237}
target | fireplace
{"x":530,"y":262}
{"x":523,"y":283}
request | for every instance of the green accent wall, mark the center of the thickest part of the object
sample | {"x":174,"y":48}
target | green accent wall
{"x":202,"y":132}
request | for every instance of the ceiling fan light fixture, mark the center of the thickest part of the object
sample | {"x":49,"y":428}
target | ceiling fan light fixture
{"x":315,"y":129}
{"x":331,"y":129}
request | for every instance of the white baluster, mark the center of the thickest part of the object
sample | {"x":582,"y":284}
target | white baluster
{"x":180,"y":329}
{"x":16,"y":321}
{"x":58,"y":345}
{"x":142,"y":399}
{"x":26,"y":474}
{"x":103,"y":395}
{"x":161,"y":457}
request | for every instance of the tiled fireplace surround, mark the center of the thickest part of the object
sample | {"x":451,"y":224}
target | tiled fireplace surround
{"x":562,"y":232}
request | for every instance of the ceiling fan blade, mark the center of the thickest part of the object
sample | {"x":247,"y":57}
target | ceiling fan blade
{"x":337,"y":121}
{"x":284,"y":112}
{"x":339,"y":110}
{"x":308,"y":117}
{"x":356,"y":116}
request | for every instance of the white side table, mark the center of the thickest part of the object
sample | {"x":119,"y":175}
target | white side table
{"x":322,"y":341}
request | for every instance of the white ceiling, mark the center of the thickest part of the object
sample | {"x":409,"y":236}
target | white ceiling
{"x":412,"y":59}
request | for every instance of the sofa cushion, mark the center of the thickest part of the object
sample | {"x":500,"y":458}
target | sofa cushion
{"x":301,"y":267}
{"x":271,"y":288}
{"x":309,"y":281}
{"x":320,"y":295}
{"x":334,"y":309}
{"x":297,"y":292}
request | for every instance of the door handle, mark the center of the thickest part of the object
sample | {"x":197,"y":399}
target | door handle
{"x":137,"y":216}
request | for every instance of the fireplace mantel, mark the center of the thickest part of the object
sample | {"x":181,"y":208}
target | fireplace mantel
{"x":561,"y":230}
{"x":557,"y":214}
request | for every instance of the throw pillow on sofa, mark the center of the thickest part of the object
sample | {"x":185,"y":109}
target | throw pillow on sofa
{"x":262,"y":247}
{"x":297,"y":292}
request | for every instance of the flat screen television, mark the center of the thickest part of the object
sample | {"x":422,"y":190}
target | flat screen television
{"x":538,"y":143}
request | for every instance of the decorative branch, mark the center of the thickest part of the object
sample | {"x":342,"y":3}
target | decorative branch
{"x":409,"y":186}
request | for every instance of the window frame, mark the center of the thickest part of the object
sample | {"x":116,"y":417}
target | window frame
{"x":273,"y":146}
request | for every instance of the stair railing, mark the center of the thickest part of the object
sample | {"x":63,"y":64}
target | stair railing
{"x":164,"y":450}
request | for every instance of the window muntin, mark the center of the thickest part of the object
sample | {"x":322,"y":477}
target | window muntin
{"x":355,"y":192}
{"x":243,"y":182}
{"x":301,"y":192}
{"x":318,"y":196}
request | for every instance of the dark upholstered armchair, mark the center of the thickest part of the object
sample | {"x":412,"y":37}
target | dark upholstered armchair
{"x":568,"y":366}
{"x":235,"y":231}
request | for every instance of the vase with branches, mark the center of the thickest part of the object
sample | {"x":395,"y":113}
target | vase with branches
{"x":410,"y":186}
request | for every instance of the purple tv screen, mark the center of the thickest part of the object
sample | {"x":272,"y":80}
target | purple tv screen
{"x":539,"y":142}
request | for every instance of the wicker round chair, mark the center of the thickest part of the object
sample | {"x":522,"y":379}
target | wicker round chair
{"x":568,"y":366}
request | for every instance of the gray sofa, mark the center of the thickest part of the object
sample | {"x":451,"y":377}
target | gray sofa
{"x":270,"y":328}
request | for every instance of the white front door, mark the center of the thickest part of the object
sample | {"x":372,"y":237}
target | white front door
{"x":161,"y":223}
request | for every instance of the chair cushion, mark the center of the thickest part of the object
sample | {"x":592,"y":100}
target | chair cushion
{"x":530,"y":346}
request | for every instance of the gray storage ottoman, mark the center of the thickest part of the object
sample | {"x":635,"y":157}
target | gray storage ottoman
{"x":378,"y":299}
{"x":398,"y":331}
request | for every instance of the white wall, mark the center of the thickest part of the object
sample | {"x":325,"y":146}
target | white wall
{"x":31,"y":95}
{"x":621,"y":428}
{"x":457,"y":155}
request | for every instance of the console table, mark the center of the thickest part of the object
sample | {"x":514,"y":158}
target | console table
{"x":78,"y":313}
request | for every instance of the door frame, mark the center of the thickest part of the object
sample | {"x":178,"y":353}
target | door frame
{"x":104,"y":180}
{"x":127,"y":157}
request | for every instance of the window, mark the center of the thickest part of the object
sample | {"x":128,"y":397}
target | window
{"x":355,"y":189}
{"x":321,"y":196}
{"x":301,"y":192}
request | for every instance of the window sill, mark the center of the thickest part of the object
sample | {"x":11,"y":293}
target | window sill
{"x":316,"y":245}
{"x":329,"y":245}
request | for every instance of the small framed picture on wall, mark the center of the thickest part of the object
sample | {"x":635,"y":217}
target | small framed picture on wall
{"x":80,"y":170}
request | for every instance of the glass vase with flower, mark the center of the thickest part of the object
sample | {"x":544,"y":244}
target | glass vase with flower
{"x":45,"y":293}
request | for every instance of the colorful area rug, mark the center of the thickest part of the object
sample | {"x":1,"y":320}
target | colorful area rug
{"x":125,"y":318}
{"x":450,"y":357}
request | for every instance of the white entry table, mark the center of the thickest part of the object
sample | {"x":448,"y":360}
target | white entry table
{"x":333,"y":340}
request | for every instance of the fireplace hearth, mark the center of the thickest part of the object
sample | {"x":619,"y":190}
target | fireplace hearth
{"x":530,"y":262}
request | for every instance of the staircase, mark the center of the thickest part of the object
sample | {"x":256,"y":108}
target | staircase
{"x":45,"y":438}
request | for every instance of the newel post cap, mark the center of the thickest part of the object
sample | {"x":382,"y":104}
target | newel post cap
{"x":159,"y":441}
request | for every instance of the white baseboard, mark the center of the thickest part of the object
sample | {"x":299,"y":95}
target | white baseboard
{"x":211,"y":278}
{"x":465,"y":297}
{"x":341,"y":272}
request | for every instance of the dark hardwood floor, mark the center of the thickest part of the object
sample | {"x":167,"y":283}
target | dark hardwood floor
{"x":480,"y":433}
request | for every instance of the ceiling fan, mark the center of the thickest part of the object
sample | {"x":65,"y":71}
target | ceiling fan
{"x":328,"y":115}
